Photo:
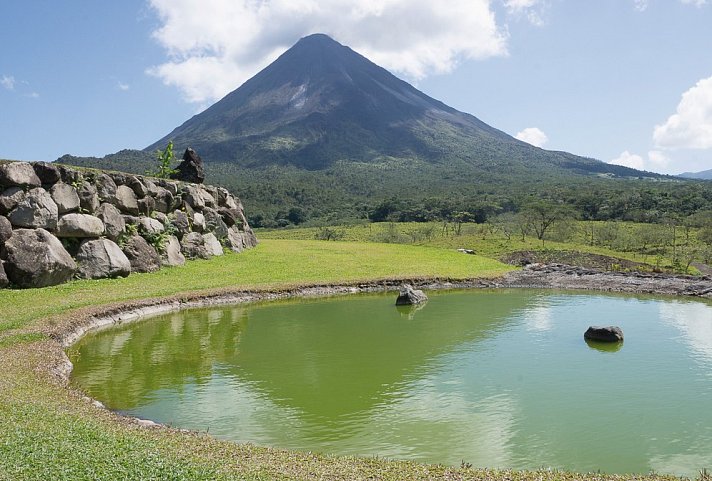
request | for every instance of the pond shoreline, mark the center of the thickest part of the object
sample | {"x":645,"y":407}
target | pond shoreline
{"x":547,"y":276}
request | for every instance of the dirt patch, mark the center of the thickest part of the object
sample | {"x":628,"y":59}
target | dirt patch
{"x":575,"y":258}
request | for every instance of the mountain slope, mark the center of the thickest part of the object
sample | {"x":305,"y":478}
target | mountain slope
{"x":704,"y":175}
{"x":321,"y":103}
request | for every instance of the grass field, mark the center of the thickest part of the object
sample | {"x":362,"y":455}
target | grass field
{"x":50,"y":432}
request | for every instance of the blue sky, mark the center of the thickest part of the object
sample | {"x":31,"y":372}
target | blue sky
{"x":628,"y":81}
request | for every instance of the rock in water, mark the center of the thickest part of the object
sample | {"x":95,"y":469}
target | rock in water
{"x":409,"y":296}
{"x":604,"y":334}
{"x":191,"y":169}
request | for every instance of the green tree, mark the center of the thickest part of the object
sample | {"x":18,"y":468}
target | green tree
{"x":543,"y":215}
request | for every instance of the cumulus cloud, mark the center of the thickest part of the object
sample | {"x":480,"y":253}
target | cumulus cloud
{"x":8,"y":81}
{"x":215,"y":45}
{"x":658,"y":160}
{"x":696,"y":3}
{"x":532,"y":10}
{"x":626,"y":159}
{"x":122,"y":86}
{"x":533,"y":135}
{"x":690,"y":127}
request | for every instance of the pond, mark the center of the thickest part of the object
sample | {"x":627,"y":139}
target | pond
{"x":495,"y":378}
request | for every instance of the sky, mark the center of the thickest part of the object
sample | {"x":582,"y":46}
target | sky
{"x":622,"y":81}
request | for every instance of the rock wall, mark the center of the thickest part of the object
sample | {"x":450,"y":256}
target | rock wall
{"x":58,"y":223}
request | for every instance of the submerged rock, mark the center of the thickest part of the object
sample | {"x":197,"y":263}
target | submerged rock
{"x":604,"y":334}
{"x":409,"y":296}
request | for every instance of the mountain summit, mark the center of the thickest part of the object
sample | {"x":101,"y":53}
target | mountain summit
{"x":321,"y":103}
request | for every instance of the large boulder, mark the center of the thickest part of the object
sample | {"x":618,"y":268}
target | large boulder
{"x":193,"y":246}
{"x":409,"y":296}
{"x":47,"y":173}
{"x":65,"y":196}
{"x":36,"y":258}
{"x":199,"y":224}
{"x":105,"y":188}
{"x":214,"y":223}
{"x":212,"y":244}
{"x":114,"y":223}
{"x":141,"y":255}
{"x":150,"y":226}
{"x":5,"y":230}
{"x":102,"y":258}
{"x":18,"y":174}
{"x":9,"y":198}
{"x":36,"y":210}
{"x":180,"y":222}
{"x":172,"y":256}
{"x":235,"y":240}
{"x":191,"y":169}
{"x":126,"y":200}
{"x":163,"y":200}
{"x":604,"y":334}
{"x":80,"y":225}
{"x":4,"y":281}
{"x":88,"y":197}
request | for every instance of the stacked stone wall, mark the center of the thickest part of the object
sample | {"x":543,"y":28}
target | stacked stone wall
{"x":58,"y":223}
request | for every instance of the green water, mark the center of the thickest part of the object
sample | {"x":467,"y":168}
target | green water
{"x":492,"y":378}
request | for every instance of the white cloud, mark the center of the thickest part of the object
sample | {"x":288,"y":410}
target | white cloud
{"x":533,"y":135}
{"x":626,"y":159}
{"x":33,"y":95}
{"x":8,"y":81}
{"x":215,"y":45}
{"x":658,"y":160}
{"x":640,"y":5}
{"x":696,"y":3}
{"x":122,"y":86}
{"x":531,"y":9}
{"x":690,"y":127}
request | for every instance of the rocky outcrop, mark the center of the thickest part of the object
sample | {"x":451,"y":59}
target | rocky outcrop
{"x":191,"y":169}
{"x":604,"y":334}
{"x":409,"y":296}
{"x":3,"y":277}
{"x":36,"y":258}
{"x":110,"y":222}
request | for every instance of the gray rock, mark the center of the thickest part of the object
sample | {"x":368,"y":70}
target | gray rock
{"x":164,"y":200}
{"x":225,"y":199}
{"x":4,"y":282}
{"x":146,"y":205}
{"x":180,"y":223}
{"x":250,"y":239}
{"x":212,"y":244}
{"x":151,"y":187}
{"x":18,"y":174}
{"x":80,"y":226}
{"x":193,"y":246}
{"x":114,"y":223}
{"x":604,"y":334}
{"x":198,"y":222}
{"x":24,"y":249}
{"x":214,"y":223}
{"x":126,"y":200}
{"x":141,"y":255}
{"x":172,"y":256}
{"x":5,"y":230}
{"x":191,"y":169}
{"x":170,"y":186}
{"x":150,"y":226}
{"x":229,"y":216}
{"x":9,"y":198}
{"x":160,"y":217}
{"x":47,"y":173}
{"x":65,"y":196}
{"x":105,"y":188}
{"x":88,"y":197}
{"x":235,"y":239}
{"x":36,"y":210}
{"x":70,"y":176}
{"x":195,"y":197}
{"x":102,"y":258}
{"x":137,"y":186}
{"x":409,"y":296}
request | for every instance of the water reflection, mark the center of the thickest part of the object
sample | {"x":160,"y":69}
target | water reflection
{"x":604,"y":346}
{"x":494,"y":378}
